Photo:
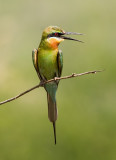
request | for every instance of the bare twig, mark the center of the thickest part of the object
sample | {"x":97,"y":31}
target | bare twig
{"x":51,"y":80}
{"x":19,"y":95}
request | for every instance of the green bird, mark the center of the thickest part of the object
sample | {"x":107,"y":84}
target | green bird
{"x":48,"y":63}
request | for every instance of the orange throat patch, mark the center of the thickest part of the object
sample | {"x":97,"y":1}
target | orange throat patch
{"x":54,"y":42}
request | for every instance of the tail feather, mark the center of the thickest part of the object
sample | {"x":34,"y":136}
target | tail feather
{"x":52,"y":112}
{"x":54,"y":127}
{"x":52,"y":109}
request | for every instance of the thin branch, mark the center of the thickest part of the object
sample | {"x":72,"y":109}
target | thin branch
{"x":51,"y":80}
{"x":19,"y":95}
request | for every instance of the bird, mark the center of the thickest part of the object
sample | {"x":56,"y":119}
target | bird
{"x":48,"y":63}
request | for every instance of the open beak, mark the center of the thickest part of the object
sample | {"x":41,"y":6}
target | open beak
{"x":69,"y":38}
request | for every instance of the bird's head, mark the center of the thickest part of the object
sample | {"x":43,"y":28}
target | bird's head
{"x":53,"y":35}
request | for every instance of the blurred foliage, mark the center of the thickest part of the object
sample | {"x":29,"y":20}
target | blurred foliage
{"x":87,"y":105}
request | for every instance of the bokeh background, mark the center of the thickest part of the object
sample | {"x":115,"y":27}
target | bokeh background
{"x":86,"y":125}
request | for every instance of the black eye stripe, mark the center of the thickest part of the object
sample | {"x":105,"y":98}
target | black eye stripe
{"x":56,"y":34}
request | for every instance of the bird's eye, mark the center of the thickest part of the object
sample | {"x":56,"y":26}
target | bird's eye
{"x":56,"y":34}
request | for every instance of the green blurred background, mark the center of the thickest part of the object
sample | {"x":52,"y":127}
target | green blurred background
{"x":86,"y":125}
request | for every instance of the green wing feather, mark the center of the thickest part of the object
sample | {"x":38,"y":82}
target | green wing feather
{"x":35,"y":62}
{"x":60,"y":62}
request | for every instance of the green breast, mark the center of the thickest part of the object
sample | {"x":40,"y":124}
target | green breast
{"x":47,"y":63}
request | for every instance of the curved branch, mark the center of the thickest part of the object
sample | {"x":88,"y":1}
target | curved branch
{"x":51,"y":80}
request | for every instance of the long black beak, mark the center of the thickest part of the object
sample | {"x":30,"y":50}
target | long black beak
{"x":71,"y":33}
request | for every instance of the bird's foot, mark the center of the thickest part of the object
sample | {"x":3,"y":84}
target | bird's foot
{"x":41,"y":83}
{"x":55,"y":78}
